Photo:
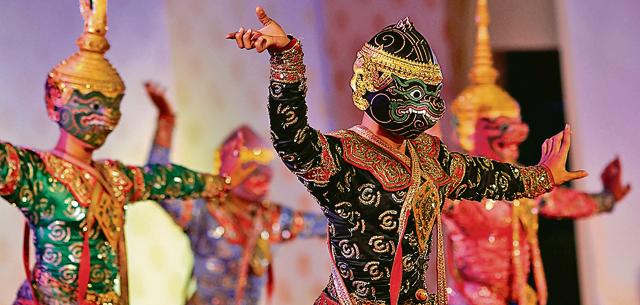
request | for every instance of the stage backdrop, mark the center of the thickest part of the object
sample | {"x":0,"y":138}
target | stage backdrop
{"x":600,"y":43}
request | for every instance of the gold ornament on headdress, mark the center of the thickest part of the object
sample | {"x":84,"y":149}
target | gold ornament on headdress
{"x":245,"y":155}
{"x":483,"y":98}
{"x":88,"y":70}
{"x":373,"y":68}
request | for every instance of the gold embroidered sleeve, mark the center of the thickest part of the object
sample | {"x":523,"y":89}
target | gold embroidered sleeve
{"x":304,"y":150}
{"x":475,"y":178}
{"x":18,"y":171}
{"x":288,"y":224}
{"x":159,"y":182}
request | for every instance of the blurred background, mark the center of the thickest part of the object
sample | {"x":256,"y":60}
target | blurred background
{"x":564,"y":60}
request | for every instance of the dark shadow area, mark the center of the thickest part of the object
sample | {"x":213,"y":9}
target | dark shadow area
{"x":534,"y":80}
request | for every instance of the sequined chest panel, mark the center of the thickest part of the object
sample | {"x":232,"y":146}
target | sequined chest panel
{"x":57,"y":217}
{"x":363,"y":208}
{"x":217,"y":261}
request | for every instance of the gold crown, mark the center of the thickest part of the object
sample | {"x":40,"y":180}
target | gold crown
{"x":245,"y":155}
{"x":373,"y":69}
{"x":88,"y":70}
{"x":483,"y":98}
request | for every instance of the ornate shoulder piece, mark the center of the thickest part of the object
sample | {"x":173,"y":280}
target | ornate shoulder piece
{"x":113,"y":172}
{"x":9,"y":183}
{"x":388,"y":168}
{"x":321,"y":173}
{"x":428,"y":148}
{"x":76,"y":182}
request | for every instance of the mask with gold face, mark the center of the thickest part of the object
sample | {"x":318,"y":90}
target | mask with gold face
{"x":84,"y":91}
{"x":397,"y":81}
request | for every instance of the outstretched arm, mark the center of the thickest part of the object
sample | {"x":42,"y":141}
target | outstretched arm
{"x":161,"y":147}
{"x":569,"y":203}
{"x":304,"y":150}
{"x":288,"y":224}
{"x":181,"y":211}
{"x":565,"y":202}
{"x":475,"y":178}
{"x":159,"y":182}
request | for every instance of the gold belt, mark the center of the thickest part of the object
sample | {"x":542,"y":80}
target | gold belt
{"x":109,"y":298}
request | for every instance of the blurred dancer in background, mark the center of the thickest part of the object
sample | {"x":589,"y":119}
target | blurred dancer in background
{"x":73,"y":204}
{"x":232,"y":238}
{"x":493,"y":245}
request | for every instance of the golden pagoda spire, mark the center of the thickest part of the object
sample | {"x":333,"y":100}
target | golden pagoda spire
{"x":94,"y":13}
{"x":482,"y":98}
{"x":482,"y":71}
{"x":88,"y":70}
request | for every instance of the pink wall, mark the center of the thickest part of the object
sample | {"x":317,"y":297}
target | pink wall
{"x":600,"y":43}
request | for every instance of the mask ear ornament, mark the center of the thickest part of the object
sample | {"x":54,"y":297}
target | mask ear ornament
{"x":367,"y":78}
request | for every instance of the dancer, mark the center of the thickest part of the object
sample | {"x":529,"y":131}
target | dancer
{"x":492,"y":245}
{"x":232,"y":239}
{"x":382,"y":184}
{"x":73,"y":204}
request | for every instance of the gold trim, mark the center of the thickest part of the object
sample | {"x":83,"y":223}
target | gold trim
{"x":371,"y":61}
{"x":405,"y":68}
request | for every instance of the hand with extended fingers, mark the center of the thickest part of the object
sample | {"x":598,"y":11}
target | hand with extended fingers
{"x":612,"y":180}
{"x":158,"y":96}
{"x":166,"y":118}
{"x":554,"y":156}
{"x":270,"y":37}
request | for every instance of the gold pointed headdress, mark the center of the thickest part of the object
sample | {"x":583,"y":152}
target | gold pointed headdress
{"x":88,"y":70}
{"x":482,"y":98}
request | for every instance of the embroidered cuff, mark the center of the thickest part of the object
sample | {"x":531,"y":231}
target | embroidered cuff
{"x":537,"y":180}
{"x":214,"y":186}
{"x":287,"y":66}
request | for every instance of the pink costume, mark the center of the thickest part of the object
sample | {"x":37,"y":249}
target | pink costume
{"x":493,"y":246}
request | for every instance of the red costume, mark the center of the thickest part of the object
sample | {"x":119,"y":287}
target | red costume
{"x":492,"y":246}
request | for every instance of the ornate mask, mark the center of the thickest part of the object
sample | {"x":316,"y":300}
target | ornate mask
{"x":499,"y":138}
{"x":397,"y":81}
{"x":245,"y":157}
{"x":84,"y":91}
